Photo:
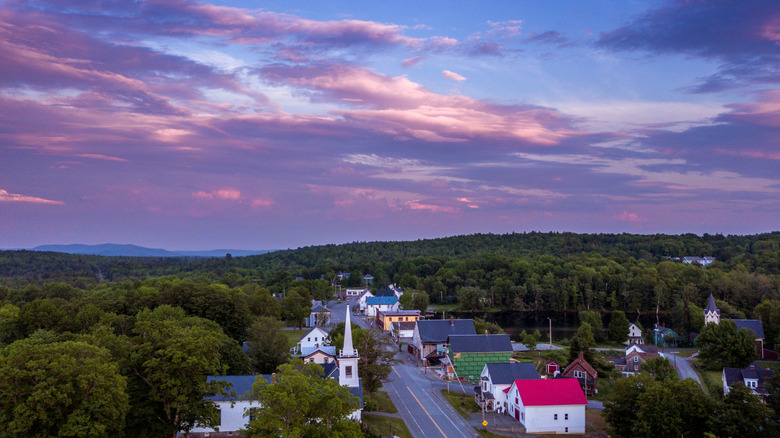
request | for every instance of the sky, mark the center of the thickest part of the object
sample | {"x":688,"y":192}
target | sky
{"x":184,"y":124}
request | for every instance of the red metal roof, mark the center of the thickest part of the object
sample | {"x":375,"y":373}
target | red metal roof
{"x":550,"y":392}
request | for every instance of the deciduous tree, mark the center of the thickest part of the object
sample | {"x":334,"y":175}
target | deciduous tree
{"x":268,"y":346}
{"x":723,"y":345}
{"x":618,"y":327}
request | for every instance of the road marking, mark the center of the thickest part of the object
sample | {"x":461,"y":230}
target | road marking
{"x":426,"y":412}
{"x":396,"y":372}
{"x":446,"y":415}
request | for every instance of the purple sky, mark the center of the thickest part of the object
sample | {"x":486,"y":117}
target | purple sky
{"x":254,"y":125}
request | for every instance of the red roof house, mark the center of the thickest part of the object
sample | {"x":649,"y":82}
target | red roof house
{"x":548,"y":405}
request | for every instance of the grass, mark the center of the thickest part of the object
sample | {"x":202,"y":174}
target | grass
{"x":293,"y":336}
{"x":595,"y":424}
{"x":383,"y":402}
{"x":711,"y":379}
{"x":685,"y":353}
{"x":443,"y":307}
{"x":463,"y":403}
{"x":488,"y":434}
{"x":384,"y":425}
{"x":770,"y":365}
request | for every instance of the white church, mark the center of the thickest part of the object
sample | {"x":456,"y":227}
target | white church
{"x":234,"y":411}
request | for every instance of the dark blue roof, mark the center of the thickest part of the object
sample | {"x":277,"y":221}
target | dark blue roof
{"x":506,"y":373}
{"x":240,"y":385}
{"x":381,"y":301}
{"x":711,"y":307}
{"x":753,"y":325}
{"x":479,"y":343}
{"x":384,"y":293}
{"x":438,"y":330}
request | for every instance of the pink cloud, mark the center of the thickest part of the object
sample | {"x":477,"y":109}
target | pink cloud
{"x":765,"y":112}
{"x":224,"y":194}
{"x":628,"y":217}
{"x":14,"y":197}
{"x":100,"y":157}
{"x":413,"y":61}
{"x":417,"y":205}
{"x":446,"y":74}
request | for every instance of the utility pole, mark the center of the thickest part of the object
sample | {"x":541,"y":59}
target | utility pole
{"x":550,"y":319}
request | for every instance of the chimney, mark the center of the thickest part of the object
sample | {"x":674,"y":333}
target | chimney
{"x":452,"y":320}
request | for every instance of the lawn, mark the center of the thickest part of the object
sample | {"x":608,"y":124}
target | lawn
{"x":463,"y":403}
{"x":595,"y":425}
{"x":711,"y":379}
{"x":387,"y":426}
{"x":293,"y":336}
{"x":770,"y":365}
{"x":383,"y":402}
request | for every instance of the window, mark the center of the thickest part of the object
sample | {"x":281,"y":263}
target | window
{"x":636,"y":358}
{"x":522,"y":415}
{"x":579,"y":374}
{"x":308,"y":339}
{"x":565,"y":416}
{"x":555,"y":417}
{"x":567,"y":430}
{"x":348,"y":371}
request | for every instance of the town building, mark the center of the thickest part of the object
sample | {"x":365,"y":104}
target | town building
{"x":319,"y":316}
{"x":430,"y":337}
{"x":635,"y":334}
{"x":553,"y":406}
{"x":495,"y":378}
{"x":635,"y":356}
{"x":753,"y":376}
{"x":581,"y":370}
{"x":468,"y":354}
{"x":386,"y":318}
{"x":755,"y":326}
{"x":386,"y":304}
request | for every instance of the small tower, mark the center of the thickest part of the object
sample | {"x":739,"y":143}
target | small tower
{"x":711,"y":312}
{"x":348,"y":359}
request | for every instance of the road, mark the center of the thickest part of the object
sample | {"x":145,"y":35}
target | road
{"x":418,"y":398}
{"x":684,"y":369}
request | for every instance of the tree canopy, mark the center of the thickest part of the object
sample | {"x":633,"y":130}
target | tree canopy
{"x":723,"y":345}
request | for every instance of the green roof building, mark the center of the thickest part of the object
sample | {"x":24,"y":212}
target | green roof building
{"x":469,"y":353}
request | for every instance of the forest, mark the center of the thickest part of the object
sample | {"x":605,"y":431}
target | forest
{"x":144,"y":327}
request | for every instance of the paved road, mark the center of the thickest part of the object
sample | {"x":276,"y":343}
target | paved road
{"x":684,"y":368}
{"x":421,"y":405}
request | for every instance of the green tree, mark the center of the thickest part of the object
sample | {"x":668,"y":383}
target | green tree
{"x":743,"y":414}
{"x":420,"y":301}
{"x":673,"y":408}
{"x":618,"y":327}
{"x":296,"y":307}
{"x":268,"y":346}
{"x":481,"y":326}
{"x":69,"y":389}
{"x":660,"y":368}
{"x":261,"y":303}
{"x":301,"y":403}
{"x":769,"y":312}
{"x":593,"y":319}
{"x":471,"y":298}
{"x":405,"y":300}
{"x":581,"y":342}
{"x":172,"y":354}
{"x":723,"y":345}
{"x":377,"y":354}
{"x":623,"y":403}
{"x":529,"y":340}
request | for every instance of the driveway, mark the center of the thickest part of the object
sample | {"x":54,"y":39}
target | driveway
{"x":684,"y":368}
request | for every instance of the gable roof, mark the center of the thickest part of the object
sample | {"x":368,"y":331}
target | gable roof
{"x":582,"y":363}
{"x":506,"y":373}
{"x":313,"y":330}
{"x":711,"y":307}
{"x":753,"y":371}
{"x":479,"y":343}
{"x":241,"y":385}
{"x":404,"y":325}
{"x":753,"y":325}
{"x":550,"y":392}
{"x":437,"y":330}
{"x":381,"y":301}
{"x":320,"y":309}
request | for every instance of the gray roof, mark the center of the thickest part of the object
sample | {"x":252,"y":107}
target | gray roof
{"x":753,"y":325}
{"x":711,"y":307}
{"x":753,"y":371}
{"x":479,"y":343}
{"x":384,"y":293}
{"x":241,"y":385}
{"x":506,"y":373}
{"x":358,"y":392}
{"x":436,"y":331}
{"x":404,"y":325}
{"x":320,"y":309}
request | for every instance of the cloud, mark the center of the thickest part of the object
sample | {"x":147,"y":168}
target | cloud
{"x":628,"y":217}
{"x":413,"y":61}
{"x":13,"y":197}
{"x":741,"y":35}
{"x":446,"y":74}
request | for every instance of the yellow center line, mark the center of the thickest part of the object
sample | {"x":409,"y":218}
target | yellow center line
{"x":426,"y":412}
{"x":396,"y":372}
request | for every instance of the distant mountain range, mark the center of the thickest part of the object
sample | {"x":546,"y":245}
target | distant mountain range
{"x":113,"y":249}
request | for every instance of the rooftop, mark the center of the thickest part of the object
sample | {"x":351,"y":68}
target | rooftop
{"x":550,"y":392}
{"x":480,"y":343}
{"x":506,"y":373}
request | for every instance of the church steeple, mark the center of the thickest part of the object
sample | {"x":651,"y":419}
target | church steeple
{"x":348,"y":358}
{"x":711,"y":312}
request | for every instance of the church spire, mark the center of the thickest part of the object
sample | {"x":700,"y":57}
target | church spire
{"x":711,"y":312}
{"x":348,"y":350}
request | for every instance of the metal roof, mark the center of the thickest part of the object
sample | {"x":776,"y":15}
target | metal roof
{"x":506,"y":373}
{"x":479,"y":343}
{"x":437,"y":330}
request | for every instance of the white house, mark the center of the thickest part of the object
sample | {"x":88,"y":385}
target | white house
{"x":384,"y":304}
{"x":232,"y":409}
{"x":315,"y":338}
{"x":318,"y":316}
{"x":352,"y":293}
{"x":495,"y":378}
{"x":548,"y":405}
{"x":403,"y":329}
{"x":635,"y":335}
{"x":362,"y":299}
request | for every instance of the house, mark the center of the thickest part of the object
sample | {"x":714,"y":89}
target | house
{"x":635,"y":356}
{"x":701,"y":261}
{"x":368,"y":279}
{"x":402,"y":330}
{"x":385,"y":293}
{"x":468,"y":354}
{"x":315,"y":338}
{"x":665,"y":337}
{"x":495,"y":378}
{"x":343,"y":276}
{"x":755,"y":326}
{"x":352,"y":293}
{"x":231,"y":407}
{"x":581,"y":370}
{"x":553,"y":406}
{"x":430,"y":336}
{"x":552,"y":367}
{"x":374,"y":304}
{"x":361,"y":301}
{"x":754,"y":377}
{"x":385,"y":319}
{"x":234,"y":413}
{"x":396,"y":290}
{"x":320,"y":355}
{"x":635,"y":335}
{"x":319,"y":316}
